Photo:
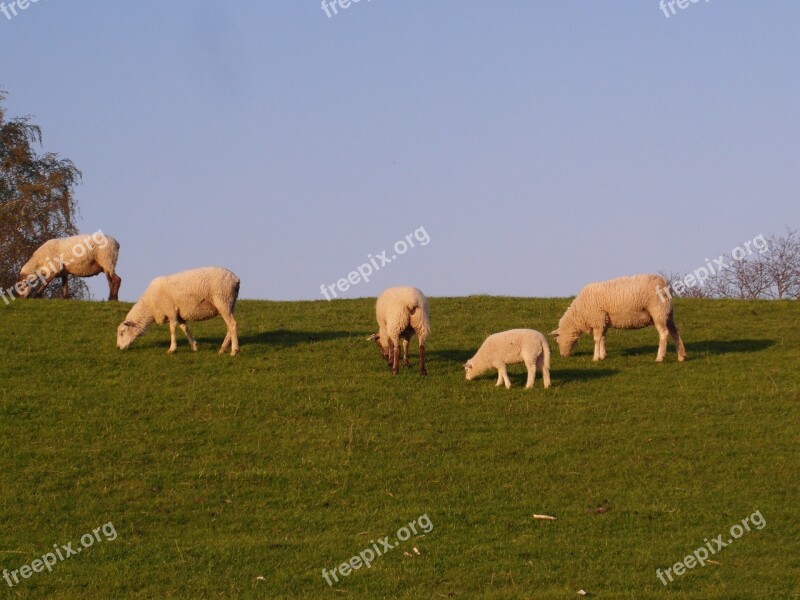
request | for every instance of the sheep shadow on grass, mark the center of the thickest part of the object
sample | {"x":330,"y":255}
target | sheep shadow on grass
{"x":565,"y":376}
{"x":286,"y":338}
{"x":452,"y":355}
{"x":706,"y":347}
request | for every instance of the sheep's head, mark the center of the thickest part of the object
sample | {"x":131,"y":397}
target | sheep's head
{"x":126,"y":333}
{"x":470,"y":370}
{"x":27,"y":282}
{"x":383,"y":348}
{"x":566,"y":340}
{"x":23,"y":288}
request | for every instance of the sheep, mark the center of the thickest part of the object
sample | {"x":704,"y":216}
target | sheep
{"x":622,"y":303}
{"x":194,"y":295}
{"x":79,"y":255}
{"x":508,"y":348}
{"x":401,"y":312}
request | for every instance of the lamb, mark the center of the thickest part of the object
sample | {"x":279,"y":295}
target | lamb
{"x":80,"y":256}
{"x":508,"y":348}
{"x":401,"y":312}
{"x":622,"y":303}
{"x":194,"y":295}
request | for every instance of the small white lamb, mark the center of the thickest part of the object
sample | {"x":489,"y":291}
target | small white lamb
{"x":79,"y":255}
{"x":194,"y":295}
{"x":512,"y":347}
{"x":401,"y":312}
{"x":622,"y":303}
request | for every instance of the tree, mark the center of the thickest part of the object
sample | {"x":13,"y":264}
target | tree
{"x":36,"y":198}
{"x":772,"y":274}
{"x":783,"y":266}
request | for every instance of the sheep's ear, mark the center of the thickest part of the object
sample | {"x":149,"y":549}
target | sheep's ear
{"x":554,"y":333}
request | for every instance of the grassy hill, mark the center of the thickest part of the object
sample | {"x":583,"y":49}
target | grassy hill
{"x":245,"y":477}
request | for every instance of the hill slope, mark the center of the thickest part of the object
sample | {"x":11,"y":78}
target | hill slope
{"x":296,"y":455}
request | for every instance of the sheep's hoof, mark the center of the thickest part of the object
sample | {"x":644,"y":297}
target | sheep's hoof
{"x":171,"y":351}
{"x":395,"y":371}
{"x":234,"y":352}
{"x":681,"y":358}
{"x":659,"y":359}
{"x":423,"y":372}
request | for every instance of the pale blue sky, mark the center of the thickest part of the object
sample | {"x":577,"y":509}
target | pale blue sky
{"x":541,"y":145}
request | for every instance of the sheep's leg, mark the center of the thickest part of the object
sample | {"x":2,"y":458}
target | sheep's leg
{"x":676,"y":337}
{"x":499,"y":379}
{"x":405,"y":352}
{"x":501,"y":369}
{"x":394,"y":346}
{"x":599,"y":344}
{"x":663,"y":335}
{"x":65,"y":285}
{"x":423,"y":370}
{"x":188,"y":334}
{"x":531,"y":374}
{"x":39,"y":291}
{"x":114,"y":282}
{"x":545,"y":371}
{"x":173,"y":339}
{"x":232,"y":336}
{"x":225,"y":343}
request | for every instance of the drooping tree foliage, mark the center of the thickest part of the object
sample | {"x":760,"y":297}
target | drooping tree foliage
{"x":36,"y":198}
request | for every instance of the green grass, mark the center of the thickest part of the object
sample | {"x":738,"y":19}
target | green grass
{"x":291,"y":457}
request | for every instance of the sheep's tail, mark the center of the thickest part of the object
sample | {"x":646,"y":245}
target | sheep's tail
{"x":235,"y":290}
{"x":546,"y":354}
{"x":543,"y":363}
{"x":418,"y":313}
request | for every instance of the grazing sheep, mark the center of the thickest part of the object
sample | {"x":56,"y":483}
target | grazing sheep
{"x":622,"y":303}
{"x":194,"y":295}
{"x":508,"y":348}
{"x":79,"y":255}
{"x":401,"y":312}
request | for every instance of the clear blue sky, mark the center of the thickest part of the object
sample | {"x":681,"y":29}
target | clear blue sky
{"x":541,"y":145}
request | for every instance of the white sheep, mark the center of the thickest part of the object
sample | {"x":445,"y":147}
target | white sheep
{"x":79,"y":255}
{"x":512,"y":347}
{"x":622,"y":303}
{"x":194,"y":295}
{"x":401,"y":312}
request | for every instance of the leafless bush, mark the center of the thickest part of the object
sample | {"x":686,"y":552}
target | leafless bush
{"x":773,"y":274}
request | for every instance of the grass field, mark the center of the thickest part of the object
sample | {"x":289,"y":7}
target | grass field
{"x":245,"y":477}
